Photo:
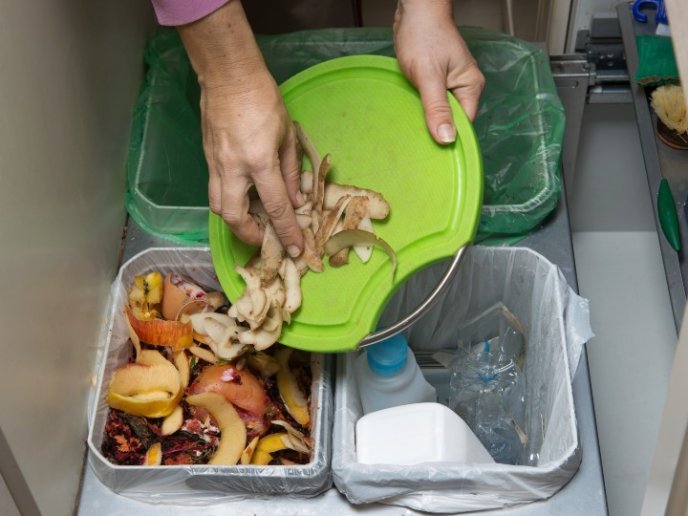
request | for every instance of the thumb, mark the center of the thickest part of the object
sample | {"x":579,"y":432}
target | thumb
{"x":438,"y":114}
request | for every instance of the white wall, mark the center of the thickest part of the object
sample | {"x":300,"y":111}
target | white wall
{"x":7,"y":505}
{"x":672,"y":431}
{"x":69,"y":74}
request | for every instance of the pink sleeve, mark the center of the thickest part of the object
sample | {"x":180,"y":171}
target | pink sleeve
{"x":180,"y":12}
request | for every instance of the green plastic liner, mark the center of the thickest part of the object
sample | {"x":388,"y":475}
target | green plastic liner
{"x":520,"y":128}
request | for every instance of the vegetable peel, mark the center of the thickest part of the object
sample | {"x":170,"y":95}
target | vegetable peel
{"x":352,"y":237}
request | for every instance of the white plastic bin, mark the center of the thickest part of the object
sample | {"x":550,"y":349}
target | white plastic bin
{"x":556,"y":321}
{"x":200,"y":484}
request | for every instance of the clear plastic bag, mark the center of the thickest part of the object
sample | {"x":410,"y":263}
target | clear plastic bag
{"x":557,"y":323}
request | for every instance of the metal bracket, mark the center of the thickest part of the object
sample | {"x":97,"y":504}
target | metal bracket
{"x":573,"y":75}
{"x":597,"y":73}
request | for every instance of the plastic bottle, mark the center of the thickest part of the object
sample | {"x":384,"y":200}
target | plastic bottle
{"x":486,"y":390}
{"x":388,"y":376}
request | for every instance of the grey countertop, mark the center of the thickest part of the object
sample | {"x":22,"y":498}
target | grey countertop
{"x":583,"y":495}
{"x":661,"y":161}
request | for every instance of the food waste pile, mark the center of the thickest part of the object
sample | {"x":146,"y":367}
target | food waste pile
{"x":177,"y":401}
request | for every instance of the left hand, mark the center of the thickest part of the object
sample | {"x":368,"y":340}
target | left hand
{"x":435,"y":58}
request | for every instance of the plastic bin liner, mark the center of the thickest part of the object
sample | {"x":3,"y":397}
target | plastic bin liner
{"x":557,"y":325}
{"x":519,"y":126}
{"x":199,"y":484}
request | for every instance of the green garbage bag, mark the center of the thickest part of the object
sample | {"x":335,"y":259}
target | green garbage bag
{"x":520,"y":128}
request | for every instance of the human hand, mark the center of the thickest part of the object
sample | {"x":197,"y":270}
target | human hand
{"x":248,"y":137}
{"x":435,"y":58}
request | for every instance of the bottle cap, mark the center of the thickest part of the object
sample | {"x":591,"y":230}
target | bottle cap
{"x":389,"y":356}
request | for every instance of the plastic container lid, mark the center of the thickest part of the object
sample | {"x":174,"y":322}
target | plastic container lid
{"x":389,"y":356}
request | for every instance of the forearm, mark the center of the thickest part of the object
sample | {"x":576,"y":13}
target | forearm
{"x":180,"y":12}
{"x":436,"y":7}
{"x":248,"y":137}
{"x":222,"y":48}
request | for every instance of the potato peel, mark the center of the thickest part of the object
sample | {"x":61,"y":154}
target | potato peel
{"x":308,"y":147}
{"x":354,"y":237}
{"x":364,"y":252}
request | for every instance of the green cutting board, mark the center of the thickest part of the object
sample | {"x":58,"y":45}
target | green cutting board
{"x":365,"y":113}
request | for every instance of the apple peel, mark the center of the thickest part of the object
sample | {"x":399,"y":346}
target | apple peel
{"x":232,"y":428}
{"x":239,"y":387}
{"x":159,"y":332}
{"x":181,"y":361}
{"x":294,"y":400}
{"x":248,"y":452}
{"x":173,"y":422}
{"x":134,"y":338}
{"x":149,"y":390}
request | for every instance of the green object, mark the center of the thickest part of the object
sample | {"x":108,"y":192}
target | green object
{"x":656,"y":61}
{"x":668,"y":217}
{"x":519,"y":127}
{"x":368,"y":117}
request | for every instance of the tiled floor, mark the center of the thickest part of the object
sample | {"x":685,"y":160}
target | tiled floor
{"x":620,"y":270}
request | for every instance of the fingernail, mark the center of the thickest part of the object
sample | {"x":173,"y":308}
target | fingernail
{"x":446,"y":133}
{"x":299,"y":199}
{"x":293,"y":251}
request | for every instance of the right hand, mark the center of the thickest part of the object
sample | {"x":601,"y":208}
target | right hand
{"x":249,"y":140}
{"x":248,"y":137}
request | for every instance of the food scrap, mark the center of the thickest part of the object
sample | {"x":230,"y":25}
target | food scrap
{"x":334,"y":219}
{"x":192,"y":393}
